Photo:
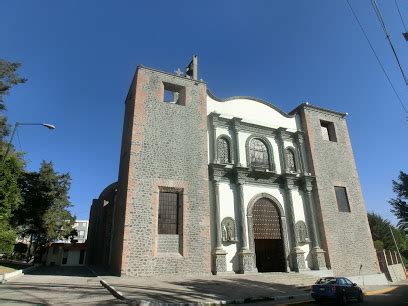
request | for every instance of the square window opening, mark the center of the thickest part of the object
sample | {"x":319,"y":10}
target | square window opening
{"x":342,"y":199}
{"x":174,"y":94}
{"x":328,"y":131}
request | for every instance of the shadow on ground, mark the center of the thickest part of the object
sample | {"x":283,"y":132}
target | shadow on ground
{"x":199,"y":290}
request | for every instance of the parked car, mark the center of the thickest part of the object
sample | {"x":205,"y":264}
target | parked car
{"x":339,"y":289}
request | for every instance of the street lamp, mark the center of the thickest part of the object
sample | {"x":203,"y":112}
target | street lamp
{"x":16,"y":125}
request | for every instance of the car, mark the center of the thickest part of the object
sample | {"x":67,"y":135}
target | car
{"x":339,"y":289}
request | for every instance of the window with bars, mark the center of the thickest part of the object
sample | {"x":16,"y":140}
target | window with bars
{"x":169,"y":203}
{"x":342,"y":199}
{"x":290,"y":156}
{"x":258,"y":154}
{"x":223,"y":150}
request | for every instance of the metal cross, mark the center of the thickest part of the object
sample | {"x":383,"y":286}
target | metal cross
{"x":178,"y":72}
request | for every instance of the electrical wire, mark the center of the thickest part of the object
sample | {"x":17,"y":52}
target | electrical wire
{"x":402,"y":19}
{"x":18,"y":138}
{"x":378,"y":59}
{"x":380,"y":18}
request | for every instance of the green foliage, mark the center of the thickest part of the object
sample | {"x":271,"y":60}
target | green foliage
{"x":10,"y":200}
{"x":382,"y":237}
{"x":8,"y":78}
{"x":45,"y":213}
{"x":378,"y":245}
{"x":400,"y":203}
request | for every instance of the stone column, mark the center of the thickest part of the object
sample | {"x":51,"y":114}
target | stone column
{"x":281,"y":135}
{"x":317,"y":254}
{"x":219,"y":256}
{"x":246,"y":257}
{"x":297,"y":255}
{"x":236,"y":124}
{"x":214,"y":122}
{"x":302,"y":151}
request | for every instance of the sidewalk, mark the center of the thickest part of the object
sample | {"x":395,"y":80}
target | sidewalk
{"x":208,"y":289}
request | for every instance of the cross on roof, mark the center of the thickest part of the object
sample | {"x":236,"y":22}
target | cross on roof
{"x":178,"y":72}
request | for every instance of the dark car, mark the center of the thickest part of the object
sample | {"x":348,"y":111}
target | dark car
{"x":339,"y":289}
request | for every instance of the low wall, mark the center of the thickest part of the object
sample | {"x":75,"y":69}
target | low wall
{"x":7,"y":276}
{"x":369,"y":280}
{"x":391,"y":265}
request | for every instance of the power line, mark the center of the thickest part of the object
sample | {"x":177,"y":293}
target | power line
{"x":380,"y":18}
{"x":378,"y":59}
{"x":402,"y":19}
{"x":18,"y":137}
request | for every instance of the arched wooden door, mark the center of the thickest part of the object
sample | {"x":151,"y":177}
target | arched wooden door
{"x":269,"y":247}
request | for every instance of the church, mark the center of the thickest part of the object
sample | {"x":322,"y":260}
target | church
{"x":210,"y":185}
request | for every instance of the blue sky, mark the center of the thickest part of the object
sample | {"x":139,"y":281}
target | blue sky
{"x":79,"y":58}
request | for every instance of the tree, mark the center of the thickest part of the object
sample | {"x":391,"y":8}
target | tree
{"x":45,"y":215}
{"x":400,"y":203}
{"x":382,"y":237}
{"x":8,"y":78}
{"x":12,"y":168}
{"x":10,"y":200}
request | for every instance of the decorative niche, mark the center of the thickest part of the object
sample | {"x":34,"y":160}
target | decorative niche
{"x":229,"y":231}
{"x":302,"y":236}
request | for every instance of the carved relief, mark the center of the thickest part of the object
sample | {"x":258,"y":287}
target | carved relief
{"x":223,"y":150}
{"x":228,"y":230}
{"x":302,"y":236}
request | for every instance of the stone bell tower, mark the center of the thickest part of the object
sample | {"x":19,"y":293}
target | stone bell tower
{"x":162,"y":213}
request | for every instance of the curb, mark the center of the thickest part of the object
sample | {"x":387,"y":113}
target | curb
{"x":7,"y":276}
{"x":117,"y":294}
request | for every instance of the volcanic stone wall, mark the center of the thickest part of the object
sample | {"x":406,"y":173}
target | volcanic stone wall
{"x":164,"y":148}
{"x":346,"y":235}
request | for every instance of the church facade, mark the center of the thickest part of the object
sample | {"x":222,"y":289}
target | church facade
{"x":236,"y":185}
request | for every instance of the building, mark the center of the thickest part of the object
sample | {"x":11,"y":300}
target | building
{"x":81,"y":227}
{"x":235,"y":185}
{"x":65,"y":254}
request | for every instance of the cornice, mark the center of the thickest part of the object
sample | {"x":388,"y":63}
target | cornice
{"x":253,"y":176}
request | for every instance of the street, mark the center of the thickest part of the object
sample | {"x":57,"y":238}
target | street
{"x":78,"y":285}
{"x":398,"y":296}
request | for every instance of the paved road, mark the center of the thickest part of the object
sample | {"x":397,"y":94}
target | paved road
{"x":55,"y":285}
{"x":399,"y":296}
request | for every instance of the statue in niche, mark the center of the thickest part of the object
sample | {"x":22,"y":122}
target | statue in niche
{"x":301,"y":232}
{"x":228,"y":230}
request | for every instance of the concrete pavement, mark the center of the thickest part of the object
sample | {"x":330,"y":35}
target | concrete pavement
{"x":210,"y":289}
{"x":78,"y":285}
{"x":55,"y":285}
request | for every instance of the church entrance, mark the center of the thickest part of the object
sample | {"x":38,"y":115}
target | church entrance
{"x":269,"y":248}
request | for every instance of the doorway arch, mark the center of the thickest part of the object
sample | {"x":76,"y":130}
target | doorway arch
{"x":267,"y":233}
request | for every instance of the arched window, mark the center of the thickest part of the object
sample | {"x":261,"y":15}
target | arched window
{"x":290,"y":157}
{"x":223,"y":150}
{"x":258,"y":154}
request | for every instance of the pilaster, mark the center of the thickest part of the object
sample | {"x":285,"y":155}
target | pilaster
{"x":300,"y":141}
{"x":236,"y":126}
{"x":246,"y":256}
{"x":298,"y":259}
{"x":219,"y":255}
{"x":317,"y":254}
{"x":214,"y":117}
{"x":281,"y":135}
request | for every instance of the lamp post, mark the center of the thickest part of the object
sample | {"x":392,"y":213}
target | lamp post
{"x":16,"y":125}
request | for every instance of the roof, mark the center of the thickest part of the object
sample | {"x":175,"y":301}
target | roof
{"x":308,"y":105}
